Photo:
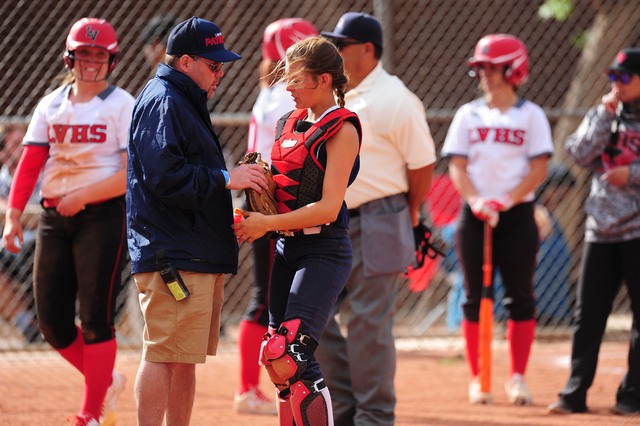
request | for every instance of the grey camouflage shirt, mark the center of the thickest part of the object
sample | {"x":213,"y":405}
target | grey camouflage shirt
{"x":613,"y":214}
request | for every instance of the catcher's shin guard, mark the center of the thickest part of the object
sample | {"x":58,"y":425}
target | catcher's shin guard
{"x":311,"y":403}
{"x":285,"y":412}
{"x":286,"y":353}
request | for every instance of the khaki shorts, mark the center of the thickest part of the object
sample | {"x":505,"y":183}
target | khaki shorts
{"x":183,"y":331}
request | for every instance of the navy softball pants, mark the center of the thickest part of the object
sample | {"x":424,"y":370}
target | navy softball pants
{"x":308,"y":274}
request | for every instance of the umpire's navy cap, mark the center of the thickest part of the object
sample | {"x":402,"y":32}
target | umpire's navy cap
{"x":198,"y":37}
{"x":627,"y":62}
{"x":358,"y":26}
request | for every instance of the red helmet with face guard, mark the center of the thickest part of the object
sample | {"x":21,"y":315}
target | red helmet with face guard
{"x":92,"y":32}
{"x":283,"y":33}
{"x":507,"y":50}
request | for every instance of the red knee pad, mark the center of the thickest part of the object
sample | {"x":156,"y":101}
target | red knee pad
{"x":286,"y":353}
{"x":262,"y":360}
{"x":280,"y":382}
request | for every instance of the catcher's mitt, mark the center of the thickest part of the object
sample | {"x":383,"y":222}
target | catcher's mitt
{"x":264,"y":203}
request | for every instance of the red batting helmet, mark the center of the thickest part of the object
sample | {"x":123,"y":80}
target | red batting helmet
{"x":281,"y":34}
{"x":92,"y":32}
{"x":507,"y":50}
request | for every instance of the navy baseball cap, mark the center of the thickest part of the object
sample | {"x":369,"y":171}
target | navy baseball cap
{"x":358,"y":26}
{"x":627,"y":62}
{"x":198,"y":37}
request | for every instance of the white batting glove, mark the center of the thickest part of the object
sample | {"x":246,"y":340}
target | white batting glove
{"x":483,"y":209}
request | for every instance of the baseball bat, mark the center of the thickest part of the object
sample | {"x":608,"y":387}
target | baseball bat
{"x":486,"y":312}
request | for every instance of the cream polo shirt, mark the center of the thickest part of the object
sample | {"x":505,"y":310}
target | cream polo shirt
{"x":395,"y":137}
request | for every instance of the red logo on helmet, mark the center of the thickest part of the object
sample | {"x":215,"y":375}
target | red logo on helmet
{"x":621,"y":57}
{"x":211,"y":41}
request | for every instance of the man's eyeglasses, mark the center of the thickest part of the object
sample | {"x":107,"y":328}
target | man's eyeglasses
{"x":622,"y":78}
{"x":340,"y":43}
{"x":215,"y":67}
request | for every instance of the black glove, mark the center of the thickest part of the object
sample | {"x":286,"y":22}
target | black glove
{"x":424,"y":247}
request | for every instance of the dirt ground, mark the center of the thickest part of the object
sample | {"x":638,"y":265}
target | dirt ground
{"x":431,"y":385}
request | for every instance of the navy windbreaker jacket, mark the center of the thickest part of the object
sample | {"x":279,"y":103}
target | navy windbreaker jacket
{"x":176,"y":194}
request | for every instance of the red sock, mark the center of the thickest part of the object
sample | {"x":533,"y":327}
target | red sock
{"x":520,"y":335}
{"x":99,"y":360}
{"x":249,"y":342}
{"x":74,"y":353}
{"x":471,"y":334}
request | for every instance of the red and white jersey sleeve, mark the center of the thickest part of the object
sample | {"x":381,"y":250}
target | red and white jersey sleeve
{"x":498,"y":146}
{"x":86,"y":139}
{"x":272,"y":103}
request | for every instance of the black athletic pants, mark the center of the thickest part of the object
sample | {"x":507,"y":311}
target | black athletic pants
{"x":604,"y":267}
{"x":515,"y":244}
{"x":79,"y":258}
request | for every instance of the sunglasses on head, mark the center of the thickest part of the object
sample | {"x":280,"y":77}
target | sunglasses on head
{"x":622,"y":78}
{"x":340,"y":43}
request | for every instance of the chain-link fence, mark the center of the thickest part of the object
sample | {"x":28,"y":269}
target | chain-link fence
{"x":427,"y":44}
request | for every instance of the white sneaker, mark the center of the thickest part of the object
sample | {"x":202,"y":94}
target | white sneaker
{"x":254,"y":402}
{"x":476,"y":396}
{"x":82,"y":420}
{"x":109,"y":406}
{"x":517,"y":390}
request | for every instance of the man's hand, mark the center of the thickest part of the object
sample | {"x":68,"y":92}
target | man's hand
{"x":247,"y":176}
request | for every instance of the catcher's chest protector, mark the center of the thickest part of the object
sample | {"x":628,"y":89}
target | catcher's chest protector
{"x":297,"y":167}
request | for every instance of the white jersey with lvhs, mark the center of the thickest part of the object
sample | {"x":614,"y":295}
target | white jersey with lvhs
{"x":498,"y":146}
{"x":86,"y":139}
{"x":272,"y":103}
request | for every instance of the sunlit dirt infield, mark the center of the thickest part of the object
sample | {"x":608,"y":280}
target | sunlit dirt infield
{"x":431,"y":384}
